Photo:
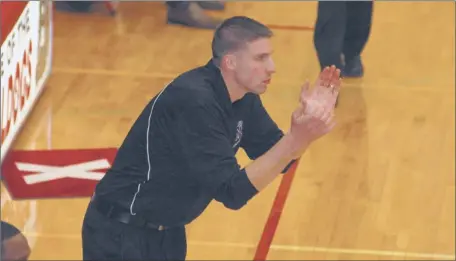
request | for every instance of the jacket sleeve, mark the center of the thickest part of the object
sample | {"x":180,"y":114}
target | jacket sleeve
{"x":208,"y":156}
{"x":262,"y":133}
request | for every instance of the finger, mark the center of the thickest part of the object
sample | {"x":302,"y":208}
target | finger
{"x":323,"y":77}
{"x":332,"y":72}
{"x":331,"y":99}
{"x":335,"y":81}
{"x":336,"y":75}
{"x":334,"y":91}
{"x":325,"y":80}
{"x":336,"y":84}
{"x":326,"y":77}
{"x":305,"y":91}
{"x":334,"y":99}
{"x":331,"y":75}
{"x":335,"y":94}
{"x":328,"y":91}
{"x":328,"y":117}
{"x":299,"y":112}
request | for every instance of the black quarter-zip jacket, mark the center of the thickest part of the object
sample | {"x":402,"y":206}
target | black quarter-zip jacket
{"x":179,"y":154}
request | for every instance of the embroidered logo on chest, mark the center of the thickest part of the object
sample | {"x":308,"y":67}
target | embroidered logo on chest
{"x":238,"y":138}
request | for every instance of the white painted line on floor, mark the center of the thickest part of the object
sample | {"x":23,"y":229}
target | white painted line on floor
{"x":291,"y":248}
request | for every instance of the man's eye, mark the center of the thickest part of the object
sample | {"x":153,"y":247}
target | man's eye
{"x":262,"y":57}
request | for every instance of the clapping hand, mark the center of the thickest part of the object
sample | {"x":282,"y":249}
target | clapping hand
{"x":314,"y":116}
{"x":326,"y":88}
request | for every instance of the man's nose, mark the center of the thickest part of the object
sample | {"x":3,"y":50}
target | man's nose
{"x":271,"y":66}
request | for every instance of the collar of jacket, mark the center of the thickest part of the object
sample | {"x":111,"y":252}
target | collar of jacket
{"x":219,"y":86}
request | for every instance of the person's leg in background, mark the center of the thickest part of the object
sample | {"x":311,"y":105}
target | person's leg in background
{"x":190,"y":13}
{"x":73,"y":6}
{"x":14,"y":245}
{"x":329,"y":32}
{"x":212,"y":5}
{"x":359,"y":18}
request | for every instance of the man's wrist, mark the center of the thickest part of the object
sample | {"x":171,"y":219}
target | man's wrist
{"x":295,"y":147}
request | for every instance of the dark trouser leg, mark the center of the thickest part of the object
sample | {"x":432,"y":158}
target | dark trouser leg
{"x":73,"y":6}
{"x":210,"y":5}
{"x":189,"y":13}
{"x":359,"y":18}
{"x":329,"y":32}
{"x":14,"y":245}
{"x":178,"y":4}
{"x":106,"y":239}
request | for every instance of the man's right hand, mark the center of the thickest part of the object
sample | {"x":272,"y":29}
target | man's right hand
{"x":311,"y":120}
{"x":314,"y":116}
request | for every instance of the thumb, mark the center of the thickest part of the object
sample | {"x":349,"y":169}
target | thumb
{"x":299,"y":112}
{"x":305,"y":91}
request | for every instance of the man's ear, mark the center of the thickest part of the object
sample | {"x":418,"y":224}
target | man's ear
{"x":229,"y":61}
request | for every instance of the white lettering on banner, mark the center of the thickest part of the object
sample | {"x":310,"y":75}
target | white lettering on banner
{"x":16,"y":80}
{"x":19,"y":56}
{"x":77,"y":171}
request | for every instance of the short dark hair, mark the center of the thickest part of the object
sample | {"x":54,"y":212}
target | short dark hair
{"x":235,"y":32}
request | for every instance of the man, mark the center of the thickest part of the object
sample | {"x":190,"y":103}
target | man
{"x":341,"y":32}
{"x":14,"y":245}
{"x":180,"y":153}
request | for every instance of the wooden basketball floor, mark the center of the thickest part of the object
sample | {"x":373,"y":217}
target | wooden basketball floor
{"x":380,"y":187}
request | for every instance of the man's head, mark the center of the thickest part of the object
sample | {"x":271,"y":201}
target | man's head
{"x":242,"y":50}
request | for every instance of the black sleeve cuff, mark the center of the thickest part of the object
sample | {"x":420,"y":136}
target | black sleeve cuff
{"x":235,"y":193}
{"x":246,"y":186}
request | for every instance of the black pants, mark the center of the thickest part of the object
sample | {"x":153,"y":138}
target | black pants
{"x":17,"y":247}
{"x":342,"y":27}
{"x":8,"y":231}
{"x":106,"y":239}
{"x":178,"y":4}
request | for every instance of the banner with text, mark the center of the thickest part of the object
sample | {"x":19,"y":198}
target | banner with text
{"x":26,"y":57}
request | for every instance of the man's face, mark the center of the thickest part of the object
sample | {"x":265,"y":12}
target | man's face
{"x":254,"y":66}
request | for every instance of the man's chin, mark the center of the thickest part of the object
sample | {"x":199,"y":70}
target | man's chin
{"x":262,"y":88}
{"x":259,"y":89}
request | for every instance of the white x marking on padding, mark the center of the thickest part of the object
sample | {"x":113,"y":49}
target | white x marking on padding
{"x":83,"y":170}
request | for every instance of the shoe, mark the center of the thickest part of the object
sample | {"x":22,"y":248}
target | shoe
{"x":353,"y":68}
{"x":193,"y":16}
{"x":211,"y":5}
{"x":74,"y":6}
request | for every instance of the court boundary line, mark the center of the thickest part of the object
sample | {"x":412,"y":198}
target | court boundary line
{"x":272,"y":223}
{"x":167,"y":76}
{"x":301,"y":28}
{"x":285,"y":247}
{"x":361,"y":251}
